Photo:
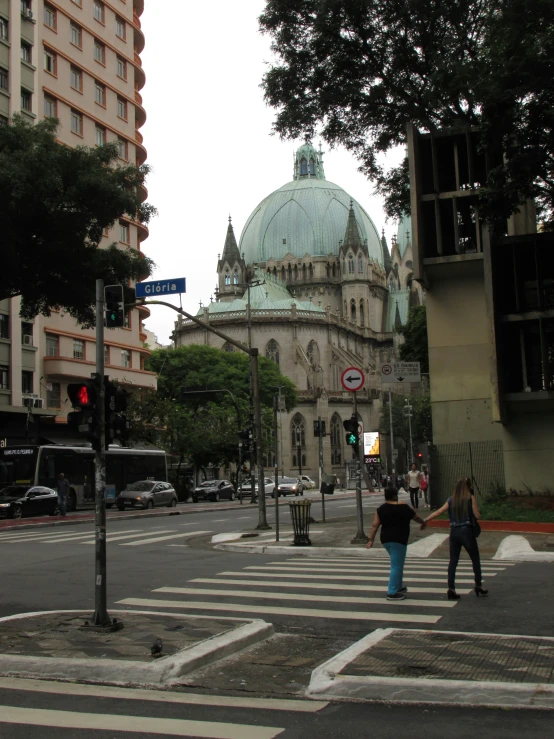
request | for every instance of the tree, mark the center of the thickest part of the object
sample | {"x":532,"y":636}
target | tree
{"x":357,"y":71}
{"x":415,"y":347}
{"x":422,"y":429}
{"x":57,"y":202}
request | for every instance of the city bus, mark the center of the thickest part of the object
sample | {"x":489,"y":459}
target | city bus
{"x":33,"y":464}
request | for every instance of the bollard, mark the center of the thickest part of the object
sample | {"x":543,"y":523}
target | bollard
{"x":300,"y":515}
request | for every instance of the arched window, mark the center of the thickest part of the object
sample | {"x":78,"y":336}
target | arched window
{"x":312,"y":166}
{"x":345,"y":314}
{"x":283,"y":273}
{"x":290,"y":273}
{"x":304,"y":273}
{"x":350,"y":264}
{"x":360,"y":265}
{"x":336,"y":441}
{"x":303,"y":166}
{"x":274,"y":271}
{"x":362,"y":313}
{"x":228,"y":347}
{"x":353,"y":311}
{"x":236,"y":277}
{"x":227,"y":278}
{"x":298,"y":432}
{"x":328,"y":270}
{"x":313,"y":353}
{"x":311,"y":271}
{"x":296,"y":273}
{"x":333,"y":270}
{"x":272,"y":351}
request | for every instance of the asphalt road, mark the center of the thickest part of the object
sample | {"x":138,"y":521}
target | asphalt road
{"x":53,"y":568}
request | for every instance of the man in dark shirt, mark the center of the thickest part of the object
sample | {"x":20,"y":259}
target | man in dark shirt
{"x":63,"y":492}
{"x":394,"y":518}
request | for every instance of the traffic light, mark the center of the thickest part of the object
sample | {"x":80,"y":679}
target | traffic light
{"x":114,"y":306}
{"x":419,"y":455}
{"x":245,"y":437}
{"x":115,"y":404}
{"x":83,"y":395}
{"x":352,"y":437}
{"x":84,"y":398}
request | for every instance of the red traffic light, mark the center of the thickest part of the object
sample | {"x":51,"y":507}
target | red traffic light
{"x":82,"y":394}
{"x":420,"y":455}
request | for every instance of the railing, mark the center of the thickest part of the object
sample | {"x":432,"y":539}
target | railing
{"x":136,"y":20}
{"x":138,"y":97}
{"x":138,"y":60}
{"x":138,"y":136}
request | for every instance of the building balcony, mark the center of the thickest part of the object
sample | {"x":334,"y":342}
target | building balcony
{"x":79,"y":369}
{"x":139,"y":36}
{"x":138,"y":7}
{"x":140,"y":77}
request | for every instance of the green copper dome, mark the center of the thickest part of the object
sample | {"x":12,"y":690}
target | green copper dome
{"x":305,"y":216}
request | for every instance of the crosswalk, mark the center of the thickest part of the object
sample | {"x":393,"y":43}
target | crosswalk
{"x":130,"y":538}
{"x":91,"y":709}
{"x":336,"y":588}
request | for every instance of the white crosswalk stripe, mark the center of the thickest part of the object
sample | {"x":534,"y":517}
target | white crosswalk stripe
{"x":139,"y":537}
{"x":300,"y":588}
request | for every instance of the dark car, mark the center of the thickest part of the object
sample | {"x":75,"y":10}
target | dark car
{"x":147,"y":494}
{"x":214,"y":490}
{"x":289,"y":486}
{"x":17,"y":501}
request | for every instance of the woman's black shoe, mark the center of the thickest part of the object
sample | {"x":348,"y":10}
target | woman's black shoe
{"x":479,"y":591}
{"x":453,"y":595}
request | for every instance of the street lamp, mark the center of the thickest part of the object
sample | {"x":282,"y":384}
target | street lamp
{"x":408,"y":408}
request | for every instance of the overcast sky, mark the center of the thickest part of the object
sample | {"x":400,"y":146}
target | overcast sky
{"x":209,"y":142}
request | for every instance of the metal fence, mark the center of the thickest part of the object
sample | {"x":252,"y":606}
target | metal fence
{"x":483,"y":461}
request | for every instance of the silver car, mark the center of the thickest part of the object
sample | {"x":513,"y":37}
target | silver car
{"x":147,"y":494}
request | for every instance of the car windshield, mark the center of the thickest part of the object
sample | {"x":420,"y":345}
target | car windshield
{"x":141,"y":486}
{"x":208,"y":484}
{"x":289,"y":480}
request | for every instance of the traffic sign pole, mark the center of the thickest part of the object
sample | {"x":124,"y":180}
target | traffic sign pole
{"x":360,"y":537}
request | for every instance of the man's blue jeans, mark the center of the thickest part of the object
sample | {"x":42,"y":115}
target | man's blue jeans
{"x":397,"y":554}
{"x":62,"y":504}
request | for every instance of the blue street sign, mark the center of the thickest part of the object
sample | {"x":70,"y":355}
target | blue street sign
{"x":160,"y":287}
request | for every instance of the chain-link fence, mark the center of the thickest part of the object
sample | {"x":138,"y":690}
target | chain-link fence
{"x":482,"y":461}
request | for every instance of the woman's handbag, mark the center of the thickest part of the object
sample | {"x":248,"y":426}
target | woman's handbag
{"x":474,"y":522}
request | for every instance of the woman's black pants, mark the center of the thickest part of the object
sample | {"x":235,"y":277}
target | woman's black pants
{"x":463,"y":536}
{"x":413,"y":497}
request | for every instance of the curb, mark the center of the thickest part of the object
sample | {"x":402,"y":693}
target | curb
{"x":164,"y":671}
{"x":305,"y":551}
{"x":521,"y":527}
{"x":327,"y":683}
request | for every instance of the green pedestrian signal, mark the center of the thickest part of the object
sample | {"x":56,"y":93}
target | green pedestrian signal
{"x":114,"y":306}
{"x":351,"y":439}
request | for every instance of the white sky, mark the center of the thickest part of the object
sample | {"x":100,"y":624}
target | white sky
{"x":208,"y":140}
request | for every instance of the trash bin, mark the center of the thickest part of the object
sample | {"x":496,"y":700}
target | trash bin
{"x":327,"y":484}
{"x":300,"y":515}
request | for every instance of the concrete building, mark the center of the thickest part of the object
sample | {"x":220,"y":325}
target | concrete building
{"x":490,"y":308}
{"x":329,"y":298}
{"x":78,"y":61}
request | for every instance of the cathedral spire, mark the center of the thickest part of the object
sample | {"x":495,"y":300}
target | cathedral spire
{"x":308,"y":163}
{"x":352,"y":238}
{"x":386,"y":254}
{"x":231,"y":252}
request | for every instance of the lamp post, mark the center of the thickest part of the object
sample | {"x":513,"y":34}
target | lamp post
{"x":408,"y":409}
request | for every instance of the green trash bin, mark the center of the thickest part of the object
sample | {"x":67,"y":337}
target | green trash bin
{"x":300,"y":515}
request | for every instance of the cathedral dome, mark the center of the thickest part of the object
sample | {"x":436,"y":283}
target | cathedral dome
{"x":305,"y":216}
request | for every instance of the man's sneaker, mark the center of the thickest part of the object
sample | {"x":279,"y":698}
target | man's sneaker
{"x":396,"y":596}
{"x":402,"y":590}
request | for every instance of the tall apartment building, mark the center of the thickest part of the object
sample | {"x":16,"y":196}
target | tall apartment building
{"x":79,"y":61}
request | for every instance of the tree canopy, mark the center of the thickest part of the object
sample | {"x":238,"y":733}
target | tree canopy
{"x":357,"y":71}
{"x":415,"y":347}
{"x":56,"y":203}
{"x":422,"y":429}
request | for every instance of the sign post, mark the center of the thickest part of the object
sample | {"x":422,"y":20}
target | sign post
{"x":352,"y":379}
{"x":398,"y":372}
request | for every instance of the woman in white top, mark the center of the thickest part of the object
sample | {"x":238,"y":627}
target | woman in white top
{"x":413,"y":484}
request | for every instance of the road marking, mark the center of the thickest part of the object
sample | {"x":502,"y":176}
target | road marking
{"x":360,"y":578}
{"x":158,"y":696}
{"x":300,"y":596}
{"x":219,"y":520}
{"x":361,"y":569}
{"x":110,"y":539}
{"x":279,"y":610}
{"x":156,"y":539}
{"x":427,"y":564}
{"x":308,"y":585}
{"x":134,"y":724}
{"x":426,"y":546}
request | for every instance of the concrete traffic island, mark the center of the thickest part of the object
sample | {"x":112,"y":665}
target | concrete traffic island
{"x":441,"y":667}
{"x":56,"y":645}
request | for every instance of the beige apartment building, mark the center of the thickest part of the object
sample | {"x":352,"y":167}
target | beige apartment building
{"x":79,"y":61}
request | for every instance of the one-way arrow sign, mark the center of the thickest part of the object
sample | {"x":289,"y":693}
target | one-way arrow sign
{"x":352,"y":379}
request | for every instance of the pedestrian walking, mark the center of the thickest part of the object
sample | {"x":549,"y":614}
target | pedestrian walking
{"x":63,"y":492}
{"x":424,"y":484}
{"x":394,"y":518}
{"x":414,"y":479}
{"x":463,"y":512}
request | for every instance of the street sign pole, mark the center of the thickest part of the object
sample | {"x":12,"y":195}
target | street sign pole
{"x":360,"y":537}
{"x":391,"y":435}
{"x":320,"y":440}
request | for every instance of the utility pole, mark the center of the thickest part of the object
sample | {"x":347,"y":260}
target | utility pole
{"x":276,"y":405}
{"x":360,"y":537}
{"x":100,"y":617}
{"x":320,"y":440}
{"x":408,"y":414}
{"x":393,"y":470}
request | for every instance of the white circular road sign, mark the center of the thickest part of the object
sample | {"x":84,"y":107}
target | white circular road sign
{"x":352,"y":379}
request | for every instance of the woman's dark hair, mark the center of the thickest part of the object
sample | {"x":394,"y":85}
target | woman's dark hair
{"x":391,"y":493}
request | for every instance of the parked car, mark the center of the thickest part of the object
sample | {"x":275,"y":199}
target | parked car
{"x":307,"y":482}
{"x":289,"y":486}
{"x":214,"y":490}
{"x":17,"y":501}
{"x":147,"y":494}
{"x":269,"y":486}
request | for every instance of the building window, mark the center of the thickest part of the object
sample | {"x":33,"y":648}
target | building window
{"x":235,"y":277}
{"x":3,"y":79}
{"x":227,"y":278}
{"x":4,"y":326}
{"x":121,"y":107}
{"x":50,"y":17}
{"x":4,"y":377}
{"x":106,"y":354}
{"x":99,"y":52}
{"x":272,"y":351}
{"x":312,"y":167}
{"x":78,"y":349}
{"x":76,"y":78}
{"x":51,"y":346}
{"x":76,"y":123}
{"x":125,"y":358}
{"x":119,"y":27}
{"x":121,"y":68}
{"x":313,"y":353}
{"x":127,"y":319}
{"x":100,"y":136}
{"x":350,"y":264}
{"x":360,"y":265}
{"x":99,"y":11}
{"x":353,"y":311}
{"x":78,"y":2}
{"x":362,"y":313}
{"x":76,"y":35}
{"x":124,"y":232}
{"x":121,"y":148}
{"x":4,"y":120}
{"x":26,"y":333}
{"x":26,"y":100}
{"x":25,"y":6}
{"x":303,"y":166}
{"x":26,"y":53}
{"x":53,"y":395}
{"x":3,"y":29}
{"x":27,"y":382}
{"x":100,"y":94}
{"x":50,"y":61}
{"x":298,"y":432}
